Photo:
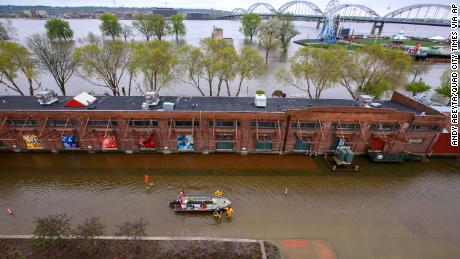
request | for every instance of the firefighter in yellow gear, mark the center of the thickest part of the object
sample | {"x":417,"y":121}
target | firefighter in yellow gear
{"x":217,"y":214}
{"x":218,"y":193}
{"x":229,"y":211}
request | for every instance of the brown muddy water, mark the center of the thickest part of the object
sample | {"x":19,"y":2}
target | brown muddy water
{"x":409,"y":210}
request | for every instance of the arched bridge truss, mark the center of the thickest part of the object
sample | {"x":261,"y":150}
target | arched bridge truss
{"x":419,"y":12}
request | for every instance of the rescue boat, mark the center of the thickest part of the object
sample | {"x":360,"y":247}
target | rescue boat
{"x":199,"y":203}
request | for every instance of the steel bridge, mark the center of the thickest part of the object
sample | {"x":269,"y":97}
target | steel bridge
{"x":418,"y":14}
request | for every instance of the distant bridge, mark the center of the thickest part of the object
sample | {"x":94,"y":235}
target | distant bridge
{"x":418,"y":14}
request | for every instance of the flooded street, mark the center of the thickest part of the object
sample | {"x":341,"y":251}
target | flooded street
{"x":408,"y":210}
{"x":197,"y":30}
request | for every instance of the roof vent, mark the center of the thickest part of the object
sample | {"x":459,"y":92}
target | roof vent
{"x":168,"y":106}
{"x":260,"y":100}
{"x":152,"y":98}
{"x":364,"y":100}
{"x":47,"y":97}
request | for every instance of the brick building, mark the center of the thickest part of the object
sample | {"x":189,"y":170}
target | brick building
{"x":221,"y":124}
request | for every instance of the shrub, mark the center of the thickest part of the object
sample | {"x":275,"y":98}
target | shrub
{"x":260,"y":91}
{"x":417,"y":87}
{"x":50,"y":231}
{"x":87,"y":233}
{"x":132,"y":230}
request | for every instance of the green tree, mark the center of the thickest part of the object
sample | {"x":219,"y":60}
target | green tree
{"x":157,"y":61}
{"x":286,"y":31}
{"x":58,"y":29}
{"x":177,"y":26}
{"x":110,"y":26}
{"x":267,"y":34}
{"x":250,"y":24}
{"x":160,"y":27}
{"x":51,"y":230}
{"x":53,"y":57}
{"x":445,"y":88}
{"x":372,"y":66}
{"x":417,"y":87}
{"x":191,"y":64}
{"x":16,"y":59}
{"x":419,"y":68}
{"x":144,"y":24}
{"x":250,"y":66}
{"x":312,"y":70}
{"x":104,"y":61}
{"x":215,"y":51}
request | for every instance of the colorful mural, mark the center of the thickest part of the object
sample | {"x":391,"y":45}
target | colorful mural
{"x":108,"y":141}
{"x":31,"y":141}
{"x":69,"y":141}
{"x":147,"y":142}
{"x":185,"y":142}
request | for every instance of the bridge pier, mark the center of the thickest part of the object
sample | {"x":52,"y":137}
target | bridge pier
{"x":318,"y":24}
{"x":377,"y":26}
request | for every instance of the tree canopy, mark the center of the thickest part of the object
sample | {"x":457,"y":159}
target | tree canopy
{"x":157,"y":61}
{"x":16,"y":60}
{"x":373,"y":69}
{"x":267,"y":34}
{"x":445,"y":88}
{"x":177,"y":26}
{"x":110,"y":26}
{"x":54,"y":57}
{"x":417,"y":87}
{"x":103,"y":60}
{"x":151,"y":25}
{"x":250,"y":24}
{"x":58,"y":29}
{"x":312,"y":70}
{"x":286,"y":30}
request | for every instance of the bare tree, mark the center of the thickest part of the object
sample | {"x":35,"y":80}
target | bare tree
{"x":54,"y":57}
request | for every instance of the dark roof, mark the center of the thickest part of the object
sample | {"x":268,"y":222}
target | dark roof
{"x":225,"y":104}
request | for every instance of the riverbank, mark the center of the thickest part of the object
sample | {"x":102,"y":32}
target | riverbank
{"x":145,"y":247}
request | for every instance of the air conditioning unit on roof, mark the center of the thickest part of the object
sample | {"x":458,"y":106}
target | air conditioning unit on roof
{"x":47,"y":97}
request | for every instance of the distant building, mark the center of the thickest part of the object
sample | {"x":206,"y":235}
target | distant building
{"x":166,"y":12}
{"x":198,"y":16}
{"x":34,"y":13}
{"x":217,"y":33}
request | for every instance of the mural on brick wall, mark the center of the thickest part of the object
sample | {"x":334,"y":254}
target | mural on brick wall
{"x":69,"y":141}
{"x":31,"y":141}
{"x":108,"y":141}
{"x":185,"y":142}
{"x":147,"y":142}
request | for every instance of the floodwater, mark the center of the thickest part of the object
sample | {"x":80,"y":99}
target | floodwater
{"x":408,"y":210}
{"x":196,"y":30}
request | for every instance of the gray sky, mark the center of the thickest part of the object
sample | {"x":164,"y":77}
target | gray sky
{"x":380,"y":6}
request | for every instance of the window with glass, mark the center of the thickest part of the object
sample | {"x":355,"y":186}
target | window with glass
{"x":58,"y":123}
{"x":21,"y":123}
{"x":384,"y":127}
{"x":184,"y":124}
{"x":265,"y":124}
{"x":345,"y":126}
{"x":102,"y":123}
{"x":264,"y":143}
{"x":420,"y":127}
{"x":416,"y":140}
{"x":306,"y":125}
{"x":224,"y":124}
{"x":143,"y":124}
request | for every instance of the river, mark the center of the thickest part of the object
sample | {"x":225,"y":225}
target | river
{"x":196,"y":30}
{"x":408,"y":210}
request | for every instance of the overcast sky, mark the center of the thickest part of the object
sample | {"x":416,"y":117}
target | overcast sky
{"x":380,"y":6}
